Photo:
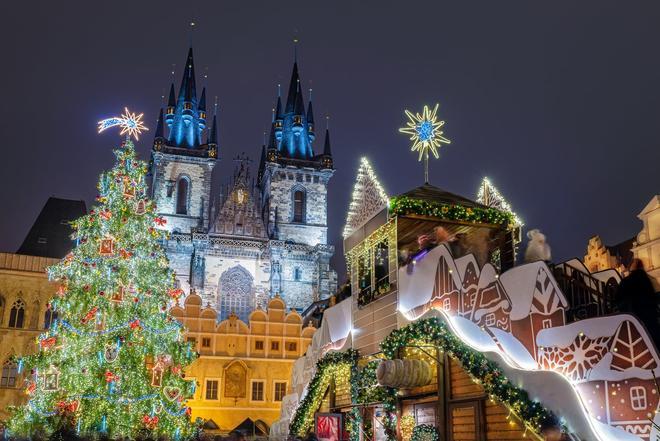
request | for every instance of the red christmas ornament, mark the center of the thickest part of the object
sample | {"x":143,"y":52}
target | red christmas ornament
{"x":135,"y":299}
{"x":160,"y":221}
{"x":176,"y":293}
{"x":105,"y":215}
{"x":31,"y":388}
{"x":90,"y":315}
{"x":47,"y":343}
{"x":110,"y":377}
{"x":86,"y":288}
{"x":125,"y":254}
{"x":135,"y":324}
{"x":150,"y":422}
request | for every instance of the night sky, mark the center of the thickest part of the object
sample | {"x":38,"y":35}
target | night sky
{"x":557,"y":102}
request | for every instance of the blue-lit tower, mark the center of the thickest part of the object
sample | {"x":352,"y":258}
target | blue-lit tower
{"x":294,"y":186}
{"x":182,"y":161}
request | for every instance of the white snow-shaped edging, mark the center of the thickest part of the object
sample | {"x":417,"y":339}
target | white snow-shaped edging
{"x":607,"y":362}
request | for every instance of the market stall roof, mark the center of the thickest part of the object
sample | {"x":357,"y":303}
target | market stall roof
{"x":431,"y":193}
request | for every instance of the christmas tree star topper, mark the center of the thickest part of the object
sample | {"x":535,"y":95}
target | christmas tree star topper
{"x":131,"y":124}
{"x":426,"y":134}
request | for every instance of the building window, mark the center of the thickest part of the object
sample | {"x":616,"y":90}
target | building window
{"x":292,"y":346}
{"x":182,"y":196}
{"x":547,"y":323}
{"x":274,"y":345}
{"x":299,"y":206}
{"x":637,"y":397}
{"x":490,"y":320}
{"x":49,"y":318}
{"x":211,"y":389}
{"x":280,"y":390}
{"x":446,"y":304}
{"x":257,"y":390}
{"x":297,"y":274}
{"x":259,"y":345}
{"x":382,"y":267}
{"x":9,"y":374}
{"x":206,"y":342}
{"x":17,"y":314}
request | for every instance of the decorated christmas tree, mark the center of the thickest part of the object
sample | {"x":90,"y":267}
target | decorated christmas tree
{"x":113,"y":361}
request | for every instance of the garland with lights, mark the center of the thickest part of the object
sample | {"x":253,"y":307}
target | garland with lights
{"x":486,"y":372}
{"x":113,"y":361}
{"x":403,"y":205}
{"x":334,"y":365}
{"x":425,"y":432}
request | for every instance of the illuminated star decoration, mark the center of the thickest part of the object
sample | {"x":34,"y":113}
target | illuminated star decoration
{"x":130,"y":123}
{"x":425,"y":132}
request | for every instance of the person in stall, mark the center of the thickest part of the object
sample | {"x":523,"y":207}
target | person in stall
{"x":636,"y":295}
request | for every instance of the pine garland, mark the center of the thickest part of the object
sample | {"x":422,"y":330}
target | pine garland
{"x":482,"y":370}
{"x":403,"y":205}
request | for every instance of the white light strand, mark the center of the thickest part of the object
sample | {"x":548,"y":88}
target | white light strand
{"x":366,"y":180}
{"x":489,"y":196}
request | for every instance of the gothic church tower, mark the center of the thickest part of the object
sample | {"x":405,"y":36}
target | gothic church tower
{"x":181,"y":162}
{"x":294,"y":181}
{"x":294,"y":187}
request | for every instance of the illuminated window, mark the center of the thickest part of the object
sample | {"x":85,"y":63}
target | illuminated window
{"x":211,"y":389}
{"x":638,"y":398}
{"x":49,"y":318}
{"x":9,"y":374}
{"x":299,"y":206}
{"x":182,"y":196}
{"x":280,"y":390}
{"x":274,"y":345}
{"x":17,"y":314}
{"x":382,"y":266}
{"x":206,"y":342}
{"x":490,"y":320}
{"x":257,"y":390}
{"x":187,"y":106}
{"x":292,"y":346}
{"x":446,"y":304}
{"x":259,"y":345}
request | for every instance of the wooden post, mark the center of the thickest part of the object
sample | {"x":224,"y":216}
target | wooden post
{"x":441,"y":408}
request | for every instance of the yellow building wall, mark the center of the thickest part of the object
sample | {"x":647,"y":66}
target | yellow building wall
{"x":234,"y":355}
{"x":22,"y":278}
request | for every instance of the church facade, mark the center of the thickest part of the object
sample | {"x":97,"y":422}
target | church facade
{"x":267,"y":234}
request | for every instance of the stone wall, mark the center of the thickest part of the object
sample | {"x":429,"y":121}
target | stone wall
{"x":167,"y":169}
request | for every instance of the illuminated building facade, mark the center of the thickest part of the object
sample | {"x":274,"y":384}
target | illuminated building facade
{"x":244,"y":367}
{"x":260,"y":238}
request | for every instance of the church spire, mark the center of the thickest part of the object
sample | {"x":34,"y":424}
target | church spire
{"x":171,"y":105}
{"x":159,"y":127}
{"x":310,"y":118}
{"x":188,"y":90}
{"x":293,"y":89}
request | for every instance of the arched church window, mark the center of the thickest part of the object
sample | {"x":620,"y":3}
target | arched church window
{"x":17,"y":314}
{"x":182,"y":196}
{"x":236,"y":293}
{"x":49,"y":318}
{"x":9,"y":374}
{"x":299,"y":206}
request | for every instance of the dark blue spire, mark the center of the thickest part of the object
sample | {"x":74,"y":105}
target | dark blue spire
{"x":171,"y":101}
{"x":159,"y":126}
{"x":326,"y":147}
{"x":213,"y":133}
{"x":202,"y":101}
{"x":188,"y":90}
{"x":293,"y":89}
{"x":187,"y":118}
{"x":291,"y":128}
{"x":310,"y":114}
